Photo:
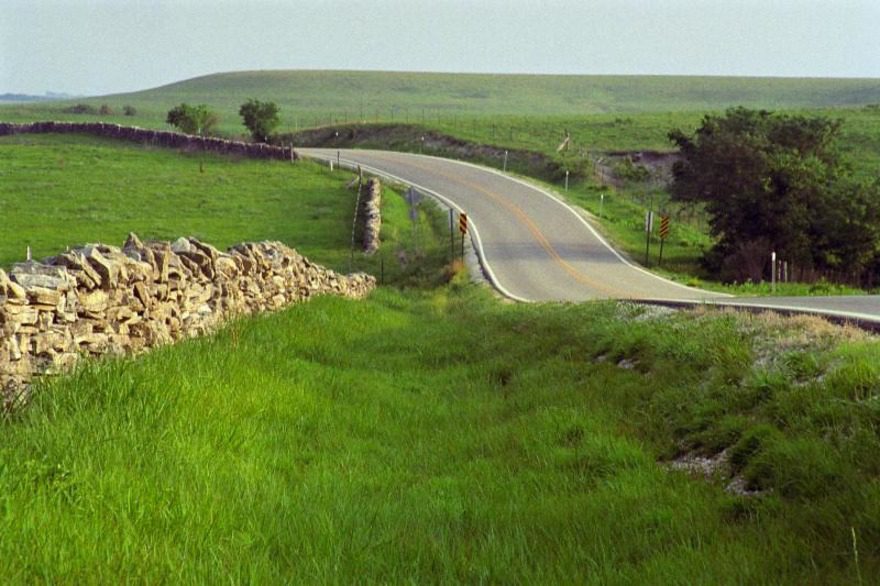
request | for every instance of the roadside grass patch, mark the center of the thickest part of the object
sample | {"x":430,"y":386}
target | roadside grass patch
{"x":440,"y":436}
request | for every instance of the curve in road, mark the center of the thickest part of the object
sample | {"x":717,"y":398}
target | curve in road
{"x":535,"y":247}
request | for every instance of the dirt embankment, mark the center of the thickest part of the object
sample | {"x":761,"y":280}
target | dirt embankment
{"x":414,"y":138}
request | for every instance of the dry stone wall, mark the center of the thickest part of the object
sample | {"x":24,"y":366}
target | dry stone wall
{"x":370,"y":215}
{"x":100,"y":299}
{"x":162,"y":138}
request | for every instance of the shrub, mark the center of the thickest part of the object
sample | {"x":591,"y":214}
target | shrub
{"x":80,"y":109}
{"x":260,"y":118}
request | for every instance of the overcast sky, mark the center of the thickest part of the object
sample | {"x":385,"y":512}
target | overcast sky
{"x":104,"y":46}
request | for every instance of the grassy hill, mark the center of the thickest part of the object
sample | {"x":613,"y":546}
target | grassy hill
{"x":312,"y":98}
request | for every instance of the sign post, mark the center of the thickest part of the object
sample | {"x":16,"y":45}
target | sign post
{"x":451,"y":237}
{"x":463,"y":228}
{"x":664,"y":233}
{"x":413,"y":198}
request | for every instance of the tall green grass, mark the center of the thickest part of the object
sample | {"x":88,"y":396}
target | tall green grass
{"x":442,"y":437}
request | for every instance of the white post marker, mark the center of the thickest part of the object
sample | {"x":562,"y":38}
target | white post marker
{"x":505,"y":161}
{"x":566,"y":180}
{"x":601,"y":203}
{"x":773,"y":271}
{"x":331,"y":165}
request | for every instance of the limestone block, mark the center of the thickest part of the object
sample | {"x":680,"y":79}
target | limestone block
{"x":94,"y":302}
{"x":32,"y":274}
{"x":107,"y":271}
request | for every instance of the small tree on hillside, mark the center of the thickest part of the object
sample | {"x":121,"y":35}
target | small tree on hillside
{"x":192,"y":119}
{"x":260,"y":118}
{"x":773,"y":182}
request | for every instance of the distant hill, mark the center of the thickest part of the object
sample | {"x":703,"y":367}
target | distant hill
{"x":408,"y":93}
{"x":317,"y":98}
{"x":22,"y":98}
{"x":48,"y":96}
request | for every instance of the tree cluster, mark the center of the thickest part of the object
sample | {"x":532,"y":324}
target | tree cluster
{"x":260,"y":118}
{"x":776,"y":183}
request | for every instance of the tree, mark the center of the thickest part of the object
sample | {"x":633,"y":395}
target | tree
{"x":192,"y":119}
{"x":260,"y":118}
{"x":129,"y":110}
{"x":773,"y":182}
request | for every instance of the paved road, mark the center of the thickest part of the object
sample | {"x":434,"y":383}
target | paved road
{"x":536,"y":248}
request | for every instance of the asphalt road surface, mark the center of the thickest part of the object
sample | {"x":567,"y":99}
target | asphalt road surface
{"x":534,"y":247}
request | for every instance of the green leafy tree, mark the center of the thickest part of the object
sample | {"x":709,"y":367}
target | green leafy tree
{"x":193,"y":119}
{"x":260,"y":118}
{"x":773,"y":182}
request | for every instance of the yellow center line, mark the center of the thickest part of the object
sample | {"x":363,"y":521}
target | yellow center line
{"x":530,"y":226}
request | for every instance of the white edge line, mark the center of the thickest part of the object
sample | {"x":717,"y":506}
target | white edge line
{"x":473,"y":232}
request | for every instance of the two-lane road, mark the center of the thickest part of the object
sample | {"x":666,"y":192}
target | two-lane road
{"x":534,"y":247}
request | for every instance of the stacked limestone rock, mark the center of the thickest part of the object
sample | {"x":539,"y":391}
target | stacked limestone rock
{"x":100,"y":299}
{"x":370,"y":214}
{"x":163,"y":138}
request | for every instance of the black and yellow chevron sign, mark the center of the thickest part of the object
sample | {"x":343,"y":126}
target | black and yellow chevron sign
{"x":664,"y":227}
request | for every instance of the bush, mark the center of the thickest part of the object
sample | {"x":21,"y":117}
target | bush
{"x":260,"y":118}
{"x":105,"y":110}
{"x":193,"y":119}
{"x":80,"y":109}
{"x":129,"y":110}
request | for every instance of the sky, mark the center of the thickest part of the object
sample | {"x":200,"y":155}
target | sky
{"x":94,"y":47}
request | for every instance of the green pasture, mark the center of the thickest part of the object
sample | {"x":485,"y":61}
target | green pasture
{"x":60,"y":191}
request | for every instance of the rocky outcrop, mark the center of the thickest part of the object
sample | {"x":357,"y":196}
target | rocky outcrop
{"x":101,"y":299}
{"x":177,"y":140}
{"x":369,"y":214}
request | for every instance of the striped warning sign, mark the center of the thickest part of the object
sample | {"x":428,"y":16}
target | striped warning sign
{"x":462,"y":223}
{"x":664,"y":227}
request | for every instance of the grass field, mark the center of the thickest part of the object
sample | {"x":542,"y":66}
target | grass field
{"x":440,"y":436}
{"x":427,"y":434}
{"x":59,"y":191}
